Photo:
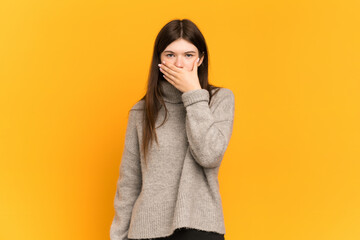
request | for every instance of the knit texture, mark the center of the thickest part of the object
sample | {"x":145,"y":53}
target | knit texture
{"x":179,"y":186}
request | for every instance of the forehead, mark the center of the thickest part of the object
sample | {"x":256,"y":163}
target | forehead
{"x":181,"y":45}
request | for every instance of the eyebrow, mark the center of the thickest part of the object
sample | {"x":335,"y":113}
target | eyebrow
{"x":185,"y":52}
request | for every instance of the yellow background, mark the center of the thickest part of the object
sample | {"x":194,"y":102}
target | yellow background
{"x":71,"y":70}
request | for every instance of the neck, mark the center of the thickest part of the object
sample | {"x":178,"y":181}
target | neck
{"x":170,"y":93}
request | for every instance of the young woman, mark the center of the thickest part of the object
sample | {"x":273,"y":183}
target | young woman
{"x":175,"y":140}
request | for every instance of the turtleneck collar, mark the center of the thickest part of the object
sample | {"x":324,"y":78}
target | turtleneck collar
{"x":170,"y":93}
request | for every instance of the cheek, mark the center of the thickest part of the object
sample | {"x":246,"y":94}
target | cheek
{"x":189,"y":66}
{"x":165,"y":58}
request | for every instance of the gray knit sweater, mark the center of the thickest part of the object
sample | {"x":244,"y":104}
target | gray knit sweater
{"x":179,"y":187}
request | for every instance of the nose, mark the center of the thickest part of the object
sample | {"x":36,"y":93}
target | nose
{"x":179,"y":62}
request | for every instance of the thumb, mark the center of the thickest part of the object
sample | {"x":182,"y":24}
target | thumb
{"x":196,"y":65}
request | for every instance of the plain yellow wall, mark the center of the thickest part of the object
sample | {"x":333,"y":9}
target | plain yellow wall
{"x":71,"y":70}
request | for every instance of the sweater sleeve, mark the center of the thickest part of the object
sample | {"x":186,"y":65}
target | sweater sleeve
{"x":209,"y":128}
{"x":128,"y":184}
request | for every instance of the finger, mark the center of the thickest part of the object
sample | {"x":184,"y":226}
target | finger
{"x":168,"y":79}
{"x":170,"y":67}
{"x":165,"y":70}
{"x":167,"y":74}
{"x":195,"y":65}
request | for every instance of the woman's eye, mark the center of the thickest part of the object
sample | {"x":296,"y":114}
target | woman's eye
{"x":190,"y":55}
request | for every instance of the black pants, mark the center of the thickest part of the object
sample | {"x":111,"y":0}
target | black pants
{"x":190,"y":234}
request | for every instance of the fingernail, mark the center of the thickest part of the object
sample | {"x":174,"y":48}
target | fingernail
{"x":198,"y":60}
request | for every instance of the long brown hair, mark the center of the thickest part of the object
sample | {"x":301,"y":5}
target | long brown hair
{"x":172,"y":31}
